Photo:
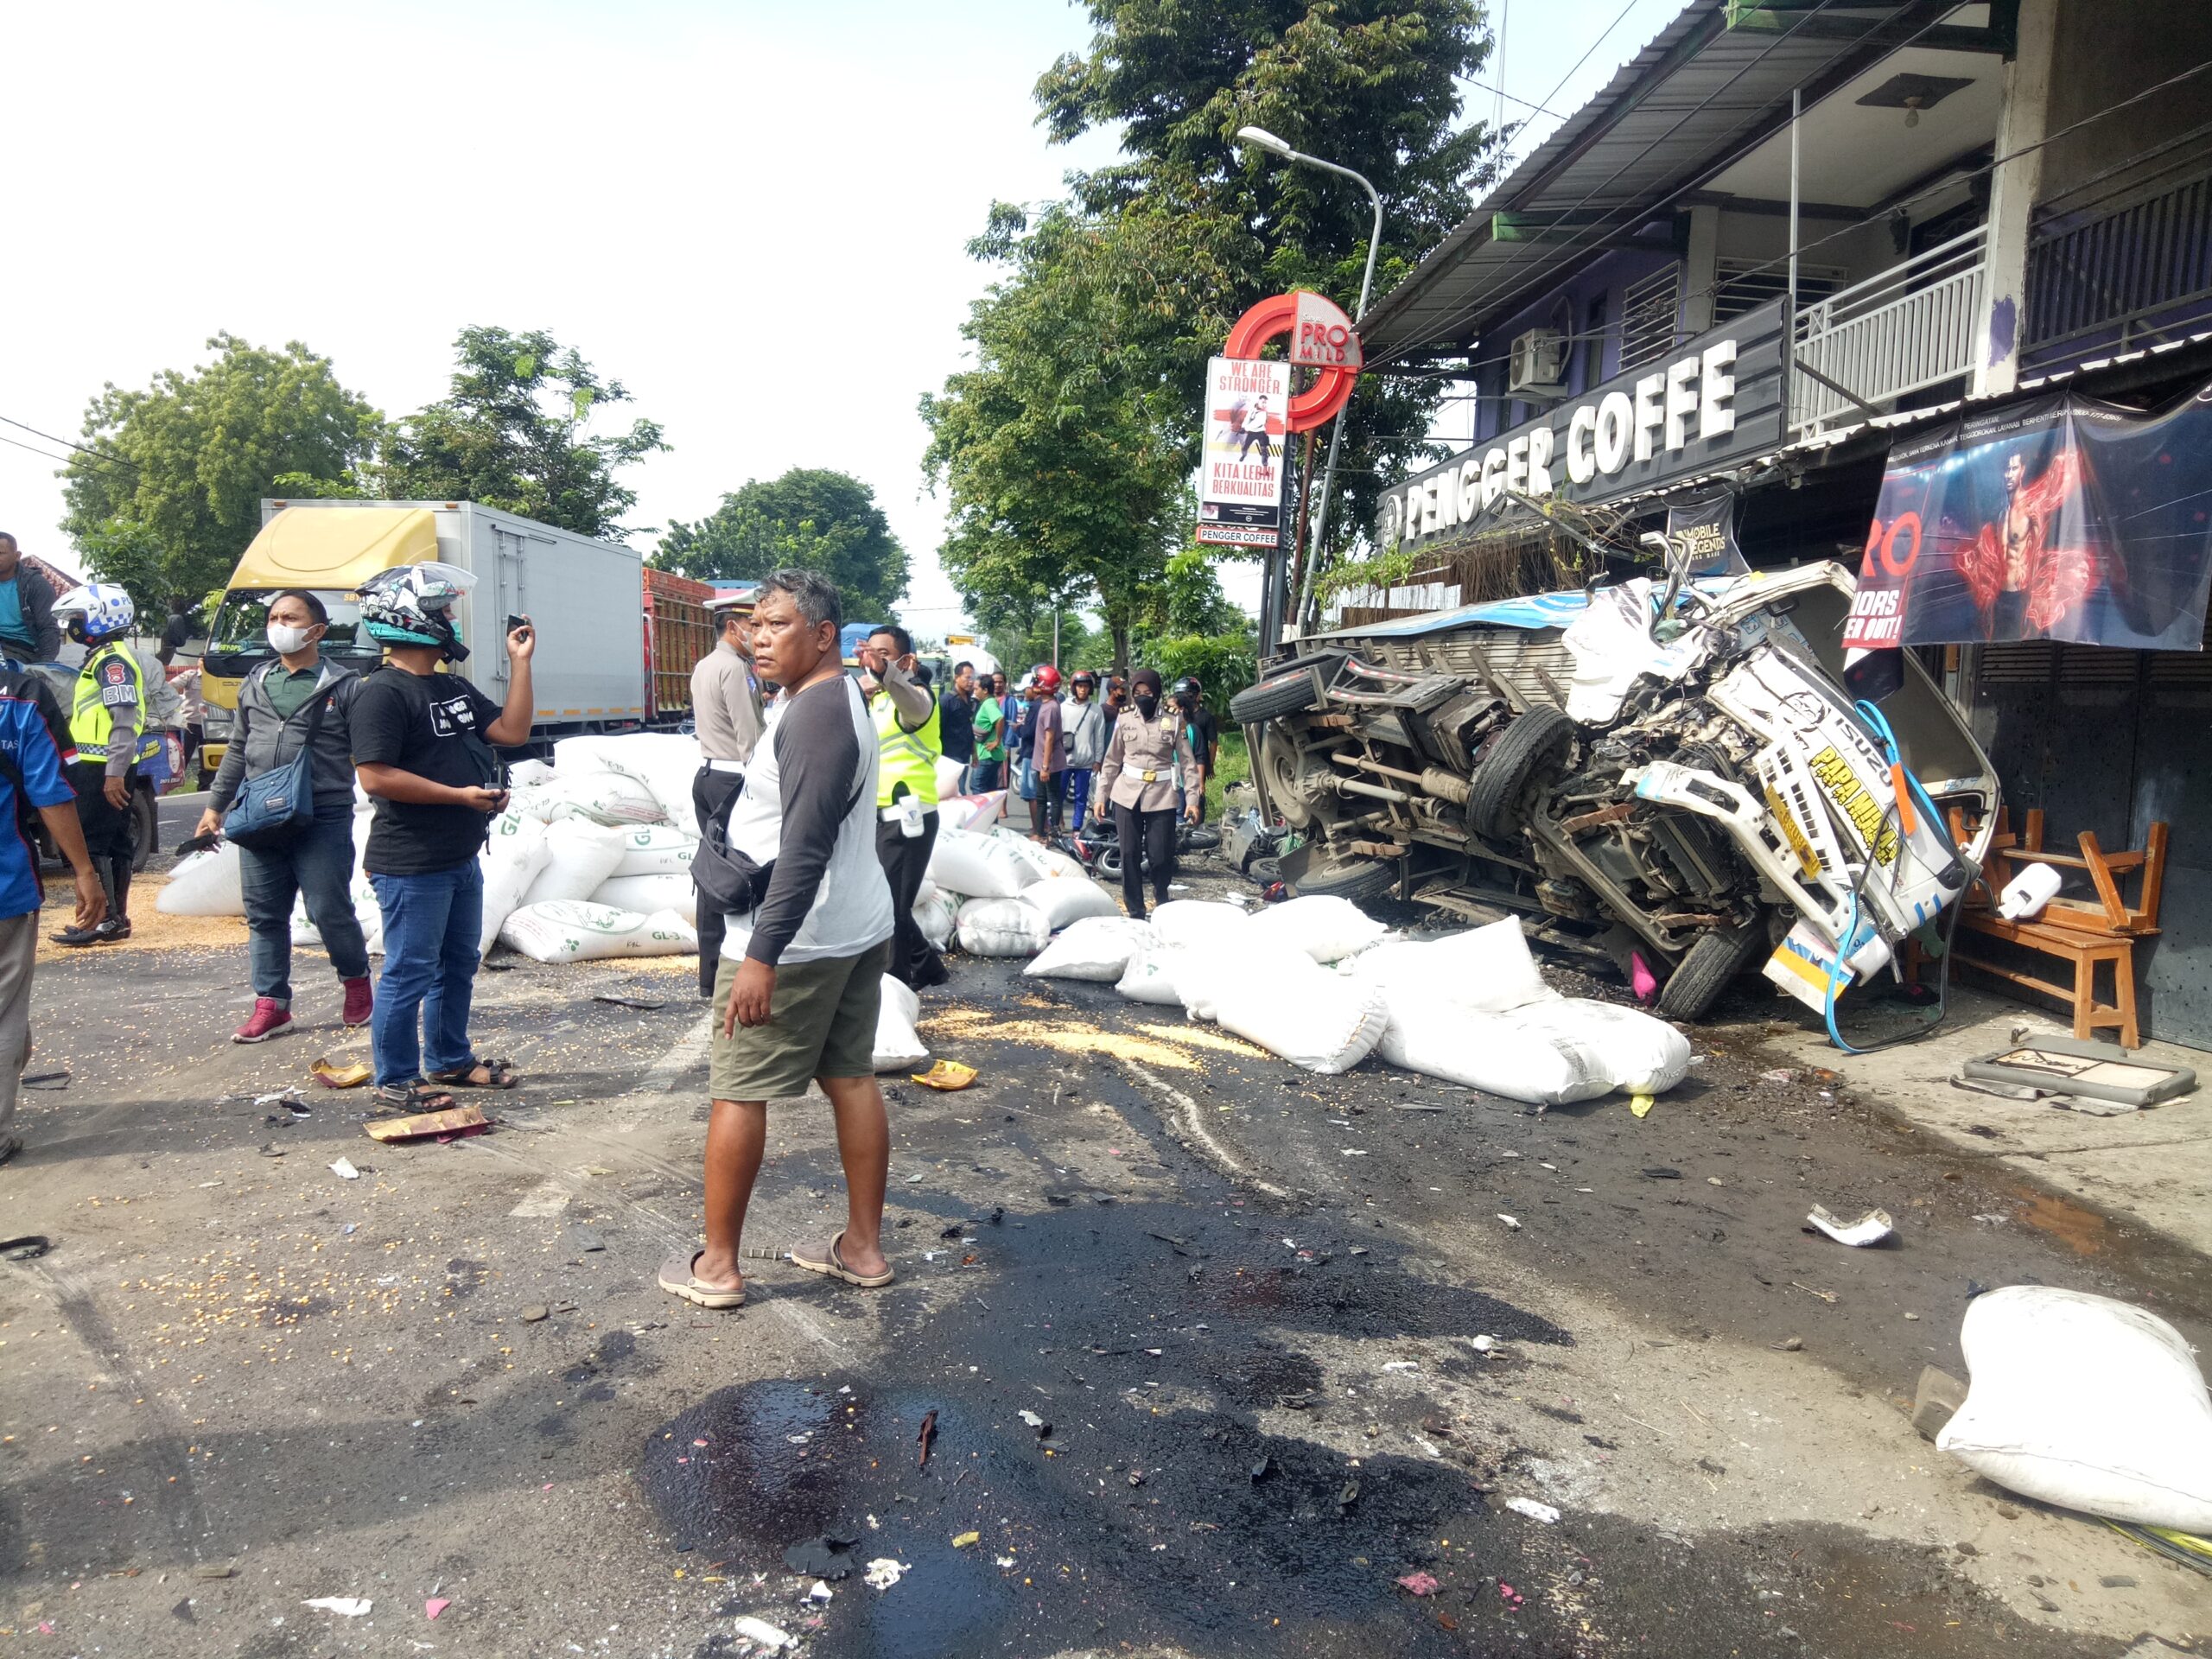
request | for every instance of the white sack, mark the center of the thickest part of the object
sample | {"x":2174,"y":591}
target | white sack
{"x":948,"y":778}
{"x":1499,"y":1054}
{"x":665,"y":762}
{"x":1096,"y":948}
{"x":1002,"y":927}
{"x":971,"y":812}
{"x":656,"y":849}
{"x":1484,"y":970}
{"x":608,"y":798}
{"x":937,"y":916}
{"x":204,"y":883}
{"x":1324,"y":927}
{"x":1047,"y":862}
{"x":1064,"y":900}
{"x":529,"y":772}
{"x":1150,"y":977}
{"x":898,"y":1047}
{"x":675,"y":925}
{"x":513,"y":857}
{"x":978,"y":866}
{"x":564,"y":931}
{"x":1187,"y":921}
{"x":2085,"y":1402}
{"x":1635,"y":1052}
{"x":647,"y":893}
{"x":1321,"y":1022}
{"x":580,"y":858}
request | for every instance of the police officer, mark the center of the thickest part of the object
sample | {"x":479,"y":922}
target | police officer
{"x":107,"y":723}
{"x":908,"y":724}
{"x":725,"y":708}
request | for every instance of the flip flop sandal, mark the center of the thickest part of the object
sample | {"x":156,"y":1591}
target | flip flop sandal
{"x":676,"y":1278}
{"x":498,"y":1074}
{"x":392,"y":1098}
{"x":831,"y":1264}
{"x":10,"y":1146}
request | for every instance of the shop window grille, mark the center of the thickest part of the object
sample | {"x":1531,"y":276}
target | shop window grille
{"x":1650,"y":312}
{"x":1742,"y":285}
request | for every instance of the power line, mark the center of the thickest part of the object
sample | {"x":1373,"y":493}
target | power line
{"x":34,"y":449}
{"x":1510,"y":98}
{"x":98,"y":453}
{"x":1592,"y":47}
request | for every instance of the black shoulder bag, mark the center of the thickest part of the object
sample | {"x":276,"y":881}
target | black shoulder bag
{"x":728,"y":878}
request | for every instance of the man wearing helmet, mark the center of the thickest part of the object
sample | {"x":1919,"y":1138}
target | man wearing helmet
{"x":1204,"y":733}
{"x":107,"y":724}
{"x":1048,"y":751}
{"x":422,"y":749}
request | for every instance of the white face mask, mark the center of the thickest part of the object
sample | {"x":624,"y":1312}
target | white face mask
{"x":288,"y":640}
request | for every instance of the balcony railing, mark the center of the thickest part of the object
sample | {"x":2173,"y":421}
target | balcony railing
{"x":2109,"y":279}
{"x":1908,"y":329}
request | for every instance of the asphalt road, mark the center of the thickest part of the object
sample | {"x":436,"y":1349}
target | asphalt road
{"x":1285,"y":1357}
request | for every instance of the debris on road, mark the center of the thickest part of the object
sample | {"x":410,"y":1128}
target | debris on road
{"x":1511,"y":1225}
{"x":644,"y":1005}
{"x":344,"y":1170}
{"x":1870,"y":1229}
{"x":1533,"y":1509}
{"x":344,"y":1606}
{"x":535,"y":1313}
{"x":436,"y":1605}
{"x":455,"y":1121}
{"x":1418,"y":1584}
{"x":967,"y":1538}
{"x":1936,"y":1400}
{"x":29,"y":1247}
{"x":332,"y":1075}
{"x":760,"y":1630}
{"x":928,"y":1433}
{"x":883,"y":1572}
{"x":948,"y":1075}
{"x":1641,"y":1105}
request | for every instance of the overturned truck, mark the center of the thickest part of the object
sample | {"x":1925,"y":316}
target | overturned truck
{"x":1670,"y":775}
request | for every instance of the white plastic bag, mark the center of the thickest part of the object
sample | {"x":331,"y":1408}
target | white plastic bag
{"x":937,"y":916}
{"x":1002,"y":927}
{"x":978,"y":866}
{"x":1324,"y":927}
{"x":1319,"y":1021}
{"x":1484,"y":970}
{"x":647,"y":893}
{"x":1096,"y":948}
{"x":2085,"y":1402}
{"x":204,"y":883}
{"x":563,"y":931}
{"x":580,"y":858}
{"x":513,"y":857}
{"x":1188,"y":921}
{"x":898,"y":1047}
{"x":1065,"y":900}
{"x":657,"y":849}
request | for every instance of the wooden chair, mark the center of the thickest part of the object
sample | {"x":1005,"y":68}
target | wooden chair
{"x":2088,"y":936}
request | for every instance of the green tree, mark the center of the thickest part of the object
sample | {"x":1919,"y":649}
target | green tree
{"x":1372,"y":84}
{"x":811,"y":517}
{"x":173,"y":494}
{"x":509,"y":434}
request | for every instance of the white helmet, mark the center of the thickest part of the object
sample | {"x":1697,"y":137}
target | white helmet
{"x":96,"y":611}
{"x":412,"y":605}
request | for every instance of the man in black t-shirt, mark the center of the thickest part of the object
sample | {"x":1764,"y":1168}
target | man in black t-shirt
{"x":421,"y":749}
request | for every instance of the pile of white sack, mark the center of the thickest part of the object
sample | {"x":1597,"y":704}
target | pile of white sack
{"x":1315,"y":981}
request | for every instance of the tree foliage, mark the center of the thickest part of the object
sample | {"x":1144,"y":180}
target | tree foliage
{"x":173,"y":494}
{"x":510,"y":434}
{"x":811,"y":517}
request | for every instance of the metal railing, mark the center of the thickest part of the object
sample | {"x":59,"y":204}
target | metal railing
{"x":1903,"y":331}
{"x":2108,"y":281}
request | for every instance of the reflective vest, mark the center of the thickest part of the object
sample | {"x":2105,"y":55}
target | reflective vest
{"x":908,"y":757}
{"x":99,"y":689}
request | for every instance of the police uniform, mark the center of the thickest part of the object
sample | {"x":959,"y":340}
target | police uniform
{"x":107,"y":723}
{"x":1137,"y":780}
{"x":906,"y":786}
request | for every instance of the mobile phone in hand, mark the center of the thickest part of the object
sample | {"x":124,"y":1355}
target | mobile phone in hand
{"x":514,"y":622}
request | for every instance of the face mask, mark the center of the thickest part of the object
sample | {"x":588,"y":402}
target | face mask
{"x":287,"y":640}
{"x":1146,"y":703}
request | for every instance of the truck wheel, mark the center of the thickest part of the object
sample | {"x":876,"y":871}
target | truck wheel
{"x":1289,"y":690}
{"x":1359,"y":880}
{"x":1500,"y":781}
{"x":1296,"y":780}
{"x":1707,"y":969}
{"x":144,"y":827}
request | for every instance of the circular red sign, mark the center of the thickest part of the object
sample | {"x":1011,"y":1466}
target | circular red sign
{"x":1274,"y":319}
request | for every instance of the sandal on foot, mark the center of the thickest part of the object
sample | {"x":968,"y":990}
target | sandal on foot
{"x":831,"y":1264}
{"x":391,"y":1097}
{"x":478,"y":1074}
{"x":677,"y":1278}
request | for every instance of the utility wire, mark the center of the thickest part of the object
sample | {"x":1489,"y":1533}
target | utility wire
{"x":100,"y":453}
{"x":1592,"y":47}
{"x":33,"y":448}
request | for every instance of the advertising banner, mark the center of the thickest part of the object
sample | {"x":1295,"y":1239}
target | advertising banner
{"x":2063,"y":518}
{"x":1703,"y":533}
{"x":1240,"y":477}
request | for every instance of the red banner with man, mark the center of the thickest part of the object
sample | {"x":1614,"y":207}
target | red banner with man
{"x":2062,"y":518}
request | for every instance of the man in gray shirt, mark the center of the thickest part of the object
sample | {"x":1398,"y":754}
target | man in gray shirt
{"x":726,"y":707}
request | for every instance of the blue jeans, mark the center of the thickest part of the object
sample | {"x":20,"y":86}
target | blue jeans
{"x":1078,"y":791}
{"x":983,"y":777}
{"x":430,"y":928}
{"x":318,"y":863}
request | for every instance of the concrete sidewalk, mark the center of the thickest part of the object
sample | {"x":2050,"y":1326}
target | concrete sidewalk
{"x":2154,"y":1166}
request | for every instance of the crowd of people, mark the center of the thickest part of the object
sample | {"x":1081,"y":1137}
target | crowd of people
{"x":817,"y":797}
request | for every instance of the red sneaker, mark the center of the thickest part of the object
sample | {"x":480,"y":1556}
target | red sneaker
{"x":268,"y":1020}
{"x":360,"y":1001}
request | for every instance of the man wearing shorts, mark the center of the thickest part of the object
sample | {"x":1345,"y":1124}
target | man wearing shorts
{"x":802,"y":970}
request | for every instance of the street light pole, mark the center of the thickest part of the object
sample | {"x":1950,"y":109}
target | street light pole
{"x":1261,"y":138}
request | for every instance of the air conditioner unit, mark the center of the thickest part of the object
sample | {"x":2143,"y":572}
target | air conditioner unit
{"x":1539,"y":364}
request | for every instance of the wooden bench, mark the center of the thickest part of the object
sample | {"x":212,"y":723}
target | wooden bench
{"x":2087,"y":935}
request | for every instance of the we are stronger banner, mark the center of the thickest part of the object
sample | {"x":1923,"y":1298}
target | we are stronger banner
{"x":2063,"y":518}
{"x":1240,"y":478}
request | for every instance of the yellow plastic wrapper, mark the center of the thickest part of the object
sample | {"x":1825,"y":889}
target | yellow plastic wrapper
{"x":946,"y":1074}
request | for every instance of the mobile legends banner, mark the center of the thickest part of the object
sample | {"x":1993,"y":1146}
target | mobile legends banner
{"x":2063,"y":518}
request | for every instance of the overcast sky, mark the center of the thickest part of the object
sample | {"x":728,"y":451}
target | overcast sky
{"x":751,"y":212}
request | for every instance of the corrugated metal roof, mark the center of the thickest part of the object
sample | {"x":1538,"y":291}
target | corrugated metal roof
{"x":1683,"y":108}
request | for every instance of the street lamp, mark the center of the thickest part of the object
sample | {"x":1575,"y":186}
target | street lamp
{"x":1261,"y":138}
